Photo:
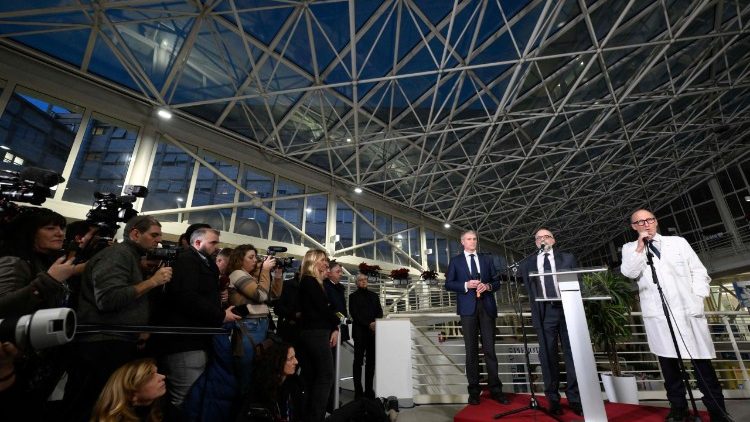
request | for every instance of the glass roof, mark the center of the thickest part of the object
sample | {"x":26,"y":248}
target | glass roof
{"x":494,"y":115}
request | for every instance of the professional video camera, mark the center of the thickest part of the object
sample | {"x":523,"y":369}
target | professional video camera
{"x":109,"y":209}
{"x":285,"y":262}
{"x":40,"y":330}
{"x":167,"y":254}
{"x":30,"y":185}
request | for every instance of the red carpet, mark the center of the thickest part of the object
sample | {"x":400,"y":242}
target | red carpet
{"x":616,"y":412}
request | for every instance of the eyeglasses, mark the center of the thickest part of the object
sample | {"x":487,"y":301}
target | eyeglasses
{"x":643,"y":222}
{"x":543,"y":237}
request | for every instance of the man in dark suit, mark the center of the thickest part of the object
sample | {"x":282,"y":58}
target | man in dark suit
{"x":549,"y":320}
{"x":472,"y":277}
{"x":365,"y":308}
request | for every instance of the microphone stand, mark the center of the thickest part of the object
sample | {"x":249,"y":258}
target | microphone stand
{"x":680,"y":363}
{"x":533,"y":402}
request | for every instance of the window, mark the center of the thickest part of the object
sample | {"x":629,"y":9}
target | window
{"x":344,"y":225}
{"x":212,"y":189}
{"x":316,"y":215}
{"x":365,"y":233}
{"x":103,"y":160}
{"x":253,"y":221}
{"x":383,"y":249}
{"x":288,"y":209}
{"x":169,"y":183}
{"x":38,"y":131}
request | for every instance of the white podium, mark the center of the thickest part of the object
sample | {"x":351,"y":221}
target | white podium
{"x":580,"y":340}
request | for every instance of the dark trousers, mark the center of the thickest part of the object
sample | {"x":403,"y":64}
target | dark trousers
{"x":484,"y":324}
{"x":317,"y":371}
{"x":91,"y":366}
{"x":708,"y":384}
{"x":551,"y":326}
{"x":364,"y":352}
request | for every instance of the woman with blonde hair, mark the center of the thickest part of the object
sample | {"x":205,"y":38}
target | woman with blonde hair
{"x":131,"y":394}
{"x":318,"y":333}
{"x":250,"y":290}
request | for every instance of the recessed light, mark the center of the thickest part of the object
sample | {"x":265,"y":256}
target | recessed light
{"x":164,"y":113}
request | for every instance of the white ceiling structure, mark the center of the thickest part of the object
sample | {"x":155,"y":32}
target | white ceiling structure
{"x":499,"y":116}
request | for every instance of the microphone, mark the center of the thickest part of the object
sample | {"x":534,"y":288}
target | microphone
{"x":542,"y":247}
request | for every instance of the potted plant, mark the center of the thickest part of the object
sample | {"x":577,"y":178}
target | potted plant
{"x":400,"y":276}
{"x":371,"y":271}
{"x":429,"y":277}
{"x":608,"y":322}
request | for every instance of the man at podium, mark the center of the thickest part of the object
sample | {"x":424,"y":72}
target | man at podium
{"x":549,"y":320}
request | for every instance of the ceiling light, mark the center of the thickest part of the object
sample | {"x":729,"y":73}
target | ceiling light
{"x":581,"y":63}
{"x":348,"y":139}
{"x":398,"y":236}
{"x":446,"y":225}
{"x":308,"y":210}
{"x":357,"y":190}
{"x":4,"y":147}
{"x":747,"y":198}
{"x":180,"y":199}
{"x":164,"y":113}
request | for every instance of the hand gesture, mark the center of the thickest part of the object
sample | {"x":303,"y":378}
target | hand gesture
{"x":162,"y":276}
{"x":230,"y":316}
{"x":269,"y":263}
{"x":62,"y":269}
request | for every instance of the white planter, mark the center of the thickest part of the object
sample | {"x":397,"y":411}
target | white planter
{"x":620,"y":389}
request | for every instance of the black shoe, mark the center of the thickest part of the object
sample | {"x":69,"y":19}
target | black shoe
{"x":473,"y":399}
{"x":555,"y":408}
{"x":677,"y":414}
{"x":499,"y":397}
{"x":576,"y":408}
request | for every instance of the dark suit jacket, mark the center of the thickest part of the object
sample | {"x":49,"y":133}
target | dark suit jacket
{"x":459,"y":273}
{"x":365,"y":308}
{"x":563,"y":261}
{"x":191,"y":299}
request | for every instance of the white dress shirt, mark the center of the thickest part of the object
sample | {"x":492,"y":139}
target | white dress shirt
{"x":540,"y":270}
{"x":468,"y":264}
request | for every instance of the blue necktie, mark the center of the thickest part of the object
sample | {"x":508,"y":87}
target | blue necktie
{"x":653,"y":249}
{"x":474,"y":268}
{"x":549,"y":281}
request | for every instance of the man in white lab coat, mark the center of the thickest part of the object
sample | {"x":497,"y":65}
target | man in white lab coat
{"x":685,"y":283}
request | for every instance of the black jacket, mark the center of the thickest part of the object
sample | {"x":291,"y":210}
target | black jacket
{"x":317,"y":312}
{"x":337,"y":297}
{"x":365,"y":308}
{"x":191,"y":299}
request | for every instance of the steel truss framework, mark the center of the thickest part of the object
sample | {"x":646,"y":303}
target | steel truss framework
{"x":493,"y":115}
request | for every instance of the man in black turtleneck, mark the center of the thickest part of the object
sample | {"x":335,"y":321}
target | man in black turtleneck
{"x":364,"y":307}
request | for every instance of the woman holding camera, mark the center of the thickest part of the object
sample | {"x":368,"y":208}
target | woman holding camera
{"x":318,"y":333}
{"x":33,"y":274}
{"x":250,"y":290}
{"x":33,"y":271}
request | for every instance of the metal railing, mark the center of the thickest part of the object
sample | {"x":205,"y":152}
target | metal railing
{"x":438,"y":360}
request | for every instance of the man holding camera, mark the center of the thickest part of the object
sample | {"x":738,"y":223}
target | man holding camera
{"x":113,"y":292}
{"x":192,"y":299}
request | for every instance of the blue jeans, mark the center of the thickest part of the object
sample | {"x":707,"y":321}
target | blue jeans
{"x":257,"y":328}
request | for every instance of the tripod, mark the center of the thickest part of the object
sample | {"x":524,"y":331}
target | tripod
{"x":681,"y":364}
{"x":533,"y":402}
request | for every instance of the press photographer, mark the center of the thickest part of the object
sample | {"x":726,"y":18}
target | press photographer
{"x":113,"y":292}
{"x":32,"y":277}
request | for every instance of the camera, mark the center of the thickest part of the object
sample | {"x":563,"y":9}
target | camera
{"x":42,"y":329}
{"x":167,"y":254}
{"x":30,"y":185}
{"x":109,"y":209}
{"x":284,"y":262}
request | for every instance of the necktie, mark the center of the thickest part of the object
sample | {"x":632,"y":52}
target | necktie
{"x":653,"y":249}
{"x":549,"y":281}
{"x":474,"y":268}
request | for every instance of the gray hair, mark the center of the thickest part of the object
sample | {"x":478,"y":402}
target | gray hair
{"x":201,"y":233}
